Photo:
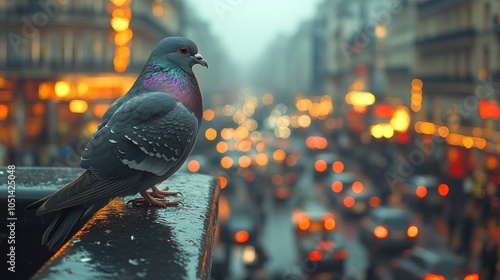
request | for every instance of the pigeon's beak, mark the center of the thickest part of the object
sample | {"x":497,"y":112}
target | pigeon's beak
{"x":200,"y":60}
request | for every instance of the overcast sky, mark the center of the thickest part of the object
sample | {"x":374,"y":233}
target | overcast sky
{"x":245,"y":27}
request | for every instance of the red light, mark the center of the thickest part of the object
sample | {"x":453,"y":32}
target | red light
{"x":338,"y":167}
{"x":374,"y":201}
{"x":315,"y":256}
{"x":342,"y":254}
{"x":320,"y":165}
{"x":472,"y":276}
{"x":443,"y":189}
{"x":403,"y":138}
{"x":357,"y":187}
{"x":434,"y":277}
{"x":381,"y":232}
{"x":383,"y":111}
{"x":241,"y":236}
{"x":349,"y":201}
{"x":421,"y":191}
{"x":337,"y":186}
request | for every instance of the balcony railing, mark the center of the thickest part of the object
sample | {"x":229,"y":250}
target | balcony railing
{"x":119,"y":242}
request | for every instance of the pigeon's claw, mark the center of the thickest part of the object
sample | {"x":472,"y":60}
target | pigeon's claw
{"x":147,"y":199}
{"x":161,"y":194}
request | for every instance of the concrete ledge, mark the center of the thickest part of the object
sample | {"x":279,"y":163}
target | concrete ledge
{"x":122,"y":242}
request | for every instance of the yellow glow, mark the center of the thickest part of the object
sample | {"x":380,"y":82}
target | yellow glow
{"x":120,"y":24}
{"x":468,"y":142}
{"x":82,"y":88}
{"x":303,"y":104}
{"x":387,"y":131}
{"x":78,"y":106}
{"x":100,"y":109}
{"x":122,"y":38}
{"x":4,"y":112}
{"x":376,"y":131}
{"x":360,"y":98}
{"x":443,"y":131}
{"x":119,"y":3}
{"x":244,"y":146}
{"x":381,"y":31}
{"x":208,"y":115}
{"x":417,"y":84}
{"x":241,"y":133}
{"x":62,"y":89}
{"x":227,"y":133}
{"x":211,"y":134}
{"x":260,"y":147}
{"x":400,"y":120}
{"x":304,"y":121}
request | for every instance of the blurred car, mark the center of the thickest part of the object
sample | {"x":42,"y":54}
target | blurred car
{"x":313,"y":218}
{"x":388,"y":228}
{"x":326,"y":164}
{"x":421,"y":263}
{"x":424,"y":191}
{"x":359,"y":200}
{"x":322,"y":253}
{"x":243,"y":225}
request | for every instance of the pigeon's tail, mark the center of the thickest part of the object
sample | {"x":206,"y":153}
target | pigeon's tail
{"x":62,"y":227}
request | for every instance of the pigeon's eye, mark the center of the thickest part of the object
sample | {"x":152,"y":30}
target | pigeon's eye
{"x":183,"y":50}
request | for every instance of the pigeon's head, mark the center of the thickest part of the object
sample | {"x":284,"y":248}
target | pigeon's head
{"x":179,"y":51}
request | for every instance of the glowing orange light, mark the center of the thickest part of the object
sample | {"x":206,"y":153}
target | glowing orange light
{"x":241,"y":236}
{"x":381,"y":232}
{"x":279,"y":155}
{"x":78,"y":106}
{"x":208,"y":115}
{"x":222,"y":181}
{"x":412,"y":231}
{"x":357,"y":187}
{"x":193,"y":166}
{"x":472,"y":276}
{"x":211,"y":134}
{"x":261,"y":159}
{"x":337,"y":186}
{"x":222,"y":147}
{"x":374,"y":201}
{"x":329,"y":223}
{"x":338,"y":167}
{"x":421,"y":191}
{"x":320,"y":165}
{"x":349,"y":201}
{"x":443,"y":189}
{"x":4,"y":111}
{"x":226,"y":162}
{"x":120,"y":24}
{"x":304,"y":223}
{"x":315,"y":256}
{"x":434,"y":277}
{"x":122,"y":38}
{"x":62,"y":88}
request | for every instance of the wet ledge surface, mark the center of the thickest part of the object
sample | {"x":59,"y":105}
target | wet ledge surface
{"x":123,"y":242}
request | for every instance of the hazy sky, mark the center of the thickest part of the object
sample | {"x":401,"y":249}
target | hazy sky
{"x":245,"y":27}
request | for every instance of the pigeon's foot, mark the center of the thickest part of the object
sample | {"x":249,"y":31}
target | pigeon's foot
{"x":156,"y":193}
{"x":147,"y":199}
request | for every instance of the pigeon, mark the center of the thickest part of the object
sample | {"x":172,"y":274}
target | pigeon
{"x":143,"y":138}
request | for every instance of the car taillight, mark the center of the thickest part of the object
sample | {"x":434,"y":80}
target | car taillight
{"x":337,"y":186}
{"x":341,"y":254}
{"x":434,"y":277}
{"x":421,"y":191}
{"x":241,"y":236}
{"x":443,"y":189}
{"x":329,"y":222}
{"x":315,"y":256}
{"x":472,"y":276}
{"x":412,"y":231}
{"x":374,"y":201}
{"x":349,"y":201}
{"x":304,"y":223}
{"x":381,"y":232}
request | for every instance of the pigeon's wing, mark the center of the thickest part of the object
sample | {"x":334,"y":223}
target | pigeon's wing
{"x":151,"y":133}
